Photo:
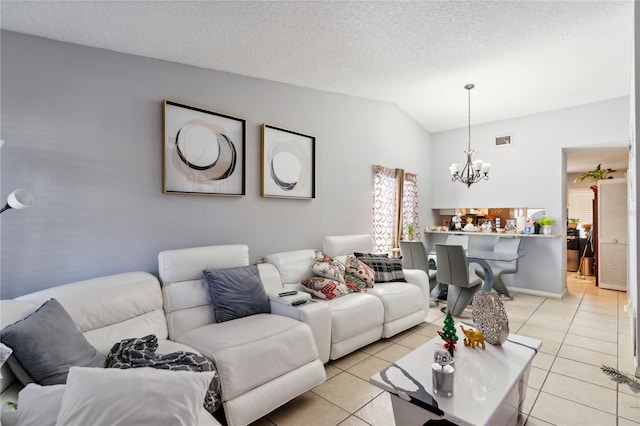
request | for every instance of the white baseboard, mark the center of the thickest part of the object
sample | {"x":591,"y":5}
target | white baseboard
{"x":516,"y":290}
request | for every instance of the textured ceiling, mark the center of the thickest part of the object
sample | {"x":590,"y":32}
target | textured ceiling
{"x":524,"y":57}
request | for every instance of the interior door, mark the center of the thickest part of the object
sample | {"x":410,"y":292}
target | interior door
{"x":612,"y":234}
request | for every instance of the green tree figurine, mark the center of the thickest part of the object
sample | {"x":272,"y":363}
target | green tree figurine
{"x":448,"y":334}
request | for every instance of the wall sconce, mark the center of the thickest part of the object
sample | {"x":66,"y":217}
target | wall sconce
{"x":19,"y":199}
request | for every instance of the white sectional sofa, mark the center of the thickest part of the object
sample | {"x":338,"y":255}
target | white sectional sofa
{"x":263,"y":360}
{"x":360,"y":318}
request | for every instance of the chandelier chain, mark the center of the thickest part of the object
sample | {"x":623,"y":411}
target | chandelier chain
{"x":469,"y":114}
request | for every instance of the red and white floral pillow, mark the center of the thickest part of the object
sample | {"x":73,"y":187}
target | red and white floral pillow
{"x":328,"y":267}
{"x":325,"y":288}
{"x":358,"y":276}
{"x":337,"y":279}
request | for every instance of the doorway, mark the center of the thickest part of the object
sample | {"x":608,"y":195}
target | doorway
{"x":583,"y":165}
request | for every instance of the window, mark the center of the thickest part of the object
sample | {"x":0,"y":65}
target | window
{"x":395,"y":205}
{"x":580,"y":205}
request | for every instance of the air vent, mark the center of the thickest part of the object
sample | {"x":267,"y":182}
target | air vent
{"x":503,"y":140}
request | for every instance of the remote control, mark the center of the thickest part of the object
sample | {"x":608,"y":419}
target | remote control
{"x":287,"y":293}
{"x":298,"y":302}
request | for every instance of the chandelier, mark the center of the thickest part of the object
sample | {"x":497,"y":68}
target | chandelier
{"x":472,"y":171}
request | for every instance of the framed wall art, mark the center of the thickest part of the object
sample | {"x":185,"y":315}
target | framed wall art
{"x":204,"y":151}
{"x":288,"y":164}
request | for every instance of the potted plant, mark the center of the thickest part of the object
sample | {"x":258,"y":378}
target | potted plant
{"x":573,"y":222}
{"x":595,"y":175}
{"x":411,"y":230}
{"x":546,"y":223}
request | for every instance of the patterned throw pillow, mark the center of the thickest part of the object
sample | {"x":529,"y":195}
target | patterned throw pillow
{"x":388,"y":269}
{"x":325,"y":288}
{"x":329,"y":268}
{"x":358,"y":276}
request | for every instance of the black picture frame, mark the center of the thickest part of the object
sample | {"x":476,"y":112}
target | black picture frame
{"x":204,"y":152}
{"x":288,"y":168}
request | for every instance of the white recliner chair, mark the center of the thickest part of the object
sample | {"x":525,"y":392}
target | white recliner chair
{"x":405,"y":304}
{"x":355,"y":319}
{"x":264,"y":360}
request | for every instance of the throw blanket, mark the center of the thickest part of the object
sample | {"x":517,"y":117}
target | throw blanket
{"x":141,"y":352}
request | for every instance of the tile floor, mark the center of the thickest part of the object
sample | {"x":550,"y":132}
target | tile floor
{"x":587,"y":328}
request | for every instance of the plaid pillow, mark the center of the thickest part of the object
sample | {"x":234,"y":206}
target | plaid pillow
{"x":388,"y":269}
{"x":357,"y":254}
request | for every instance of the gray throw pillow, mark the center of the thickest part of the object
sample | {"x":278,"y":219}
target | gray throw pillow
{"x":18,"y":370}
{"x":237,"y":292}
{"x":47,"y":343}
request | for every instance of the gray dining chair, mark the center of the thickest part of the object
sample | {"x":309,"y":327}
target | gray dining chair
{"x":455,"y":240}
{"x":503,"y":245}
{"x":414,"y":256}
{"x":458,"y":240}
{"x":453,"y":270}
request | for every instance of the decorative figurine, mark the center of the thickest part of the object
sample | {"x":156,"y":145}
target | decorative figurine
{"x":490,"y":317}
{"x":473,"y":338}
{"x":441,"y":356}
{"x":487,"y":226}
{"x":448,"y":334}
{"x":457,"y":221}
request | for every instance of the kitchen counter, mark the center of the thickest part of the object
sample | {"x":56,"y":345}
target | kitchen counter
{"x":494,"y":234}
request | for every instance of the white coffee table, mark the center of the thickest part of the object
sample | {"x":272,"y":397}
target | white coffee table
{"x":489,"y":385}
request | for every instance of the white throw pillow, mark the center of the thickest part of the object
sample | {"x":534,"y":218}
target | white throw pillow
{"x":138,"y":396}
{"x":39,"y":405}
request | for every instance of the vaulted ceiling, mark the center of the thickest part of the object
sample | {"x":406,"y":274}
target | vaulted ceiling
{"x":524,"y":57}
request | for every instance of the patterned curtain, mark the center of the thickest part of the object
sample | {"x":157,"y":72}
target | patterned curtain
{"x":384,"y":208}
{"x":410,"y":205}
{"x":395,"y":204}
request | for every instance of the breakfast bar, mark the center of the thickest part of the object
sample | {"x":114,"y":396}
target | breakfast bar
{"x":540,"y":256}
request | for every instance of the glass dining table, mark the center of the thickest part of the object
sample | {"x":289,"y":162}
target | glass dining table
{"x":483,"y":258}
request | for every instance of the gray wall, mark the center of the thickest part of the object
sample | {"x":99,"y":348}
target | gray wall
{"x":83,"y":132}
